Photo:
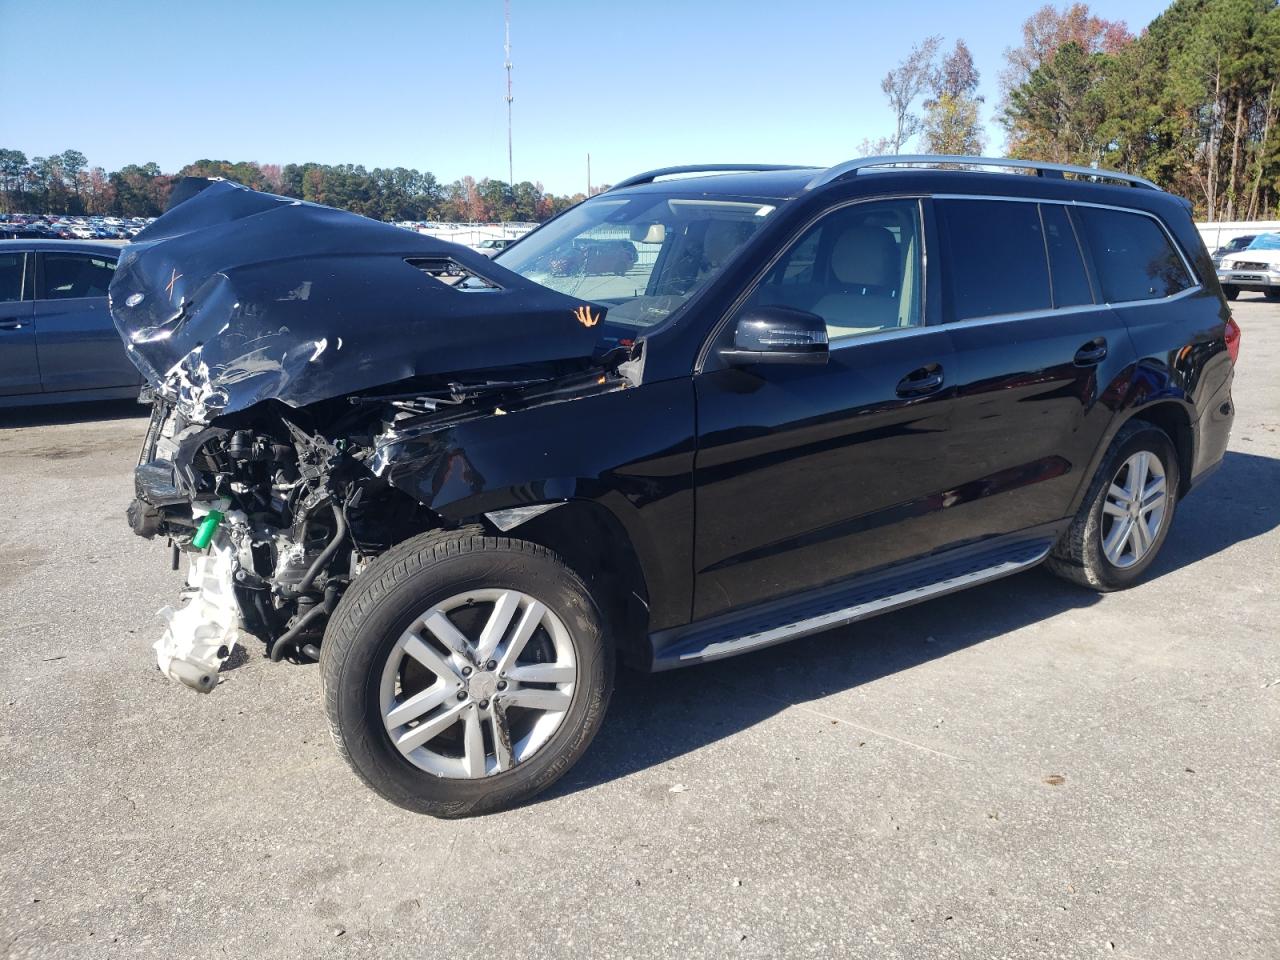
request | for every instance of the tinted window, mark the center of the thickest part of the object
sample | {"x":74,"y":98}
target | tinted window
{"x":1070,"y":282}
{"x":68,"y":275}
{"x":995,"y":261}
{"x":859,"y":268}
{"x":1132,"y":255}
{"x":10,"y":277}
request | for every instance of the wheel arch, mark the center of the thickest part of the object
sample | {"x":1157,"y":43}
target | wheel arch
{"x":1173,"y":415}
{"x":595,"y":544}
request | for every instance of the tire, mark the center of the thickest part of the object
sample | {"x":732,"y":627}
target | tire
{"x":1081,"y":555}
{"x":1272,"y":296}
{"x":1230,"y":292}
{"x":367,"y":633}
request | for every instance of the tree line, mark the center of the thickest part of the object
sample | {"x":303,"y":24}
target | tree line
{"x":1191,"y":103}
{"x":65,"y":184}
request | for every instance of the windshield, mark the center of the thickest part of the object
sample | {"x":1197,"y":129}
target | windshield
{"x":642,"y":256}
{"x":1265,"y":241}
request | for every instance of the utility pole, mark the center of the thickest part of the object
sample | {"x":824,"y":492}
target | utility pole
{"x":511,"y":176}
{"x":588,"y":175}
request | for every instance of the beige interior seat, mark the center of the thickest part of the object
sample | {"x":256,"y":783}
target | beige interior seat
{"x":863,"y":292}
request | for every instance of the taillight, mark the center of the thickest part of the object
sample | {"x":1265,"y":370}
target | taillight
{"x":1232,"y":336}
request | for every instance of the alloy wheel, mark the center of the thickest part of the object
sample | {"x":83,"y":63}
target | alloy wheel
{"x":1134,"y":509}
{"x":478,"y":683}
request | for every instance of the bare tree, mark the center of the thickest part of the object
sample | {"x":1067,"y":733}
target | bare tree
{"x":904,"y":85}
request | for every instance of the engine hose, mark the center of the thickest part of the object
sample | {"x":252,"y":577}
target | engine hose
{"x":326,"y":554}
{"x":290,"y":636}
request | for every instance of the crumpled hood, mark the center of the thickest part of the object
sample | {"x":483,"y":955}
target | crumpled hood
{"x":234,"y":297}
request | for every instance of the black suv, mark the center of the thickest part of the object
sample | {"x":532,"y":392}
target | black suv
{"x":465,"y":486}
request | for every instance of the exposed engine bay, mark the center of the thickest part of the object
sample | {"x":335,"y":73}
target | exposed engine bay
{"x":303,"y":365}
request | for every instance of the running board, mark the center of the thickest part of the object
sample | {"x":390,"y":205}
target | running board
{"x":815,"y":611}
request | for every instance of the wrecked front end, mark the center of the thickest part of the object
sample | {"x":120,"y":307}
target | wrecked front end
{"x":293,"y":352}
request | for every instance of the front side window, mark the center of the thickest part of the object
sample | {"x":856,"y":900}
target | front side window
{"x":859,"y":268}
{"x":994,"y":258}
{"x":69,"y":276}
{"x":11,"y":271}
{"x":1132,"y":255}
{"x":641,"y":256}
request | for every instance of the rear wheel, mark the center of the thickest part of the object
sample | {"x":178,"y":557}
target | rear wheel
{"x":464,"y":674}
{"x":1126,"y":513}
{"x":1230,"y":292}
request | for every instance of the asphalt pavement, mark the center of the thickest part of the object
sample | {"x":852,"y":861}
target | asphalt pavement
{"x":1025,"y":769}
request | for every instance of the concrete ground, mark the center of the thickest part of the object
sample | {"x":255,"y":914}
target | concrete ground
{"x":1022,"y":770}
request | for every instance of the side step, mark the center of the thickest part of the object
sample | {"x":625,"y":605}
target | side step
{"x":833,"y":606}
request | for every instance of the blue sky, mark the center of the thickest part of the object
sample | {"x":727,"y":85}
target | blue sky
{"x":419,"y":83}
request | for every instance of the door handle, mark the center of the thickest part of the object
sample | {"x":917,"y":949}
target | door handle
{"x":1092,"y":352}
{"x":11,"y":324}
{"x":925,"y":380}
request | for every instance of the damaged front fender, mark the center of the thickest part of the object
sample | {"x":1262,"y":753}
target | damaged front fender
{"x":629,"y":449}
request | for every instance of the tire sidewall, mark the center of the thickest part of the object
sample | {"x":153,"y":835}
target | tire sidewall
{"x":356,"y":700}
{"x":1153,"y":440}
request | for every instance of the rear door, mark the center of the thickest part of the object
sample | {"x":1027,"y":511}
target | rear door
{"x":19,"y":369}
{"x":1042,"y":361}
{"x":78,"y":344}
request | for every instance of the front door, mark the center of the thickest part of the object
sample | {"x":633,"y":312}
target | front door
{"x":806,"y":475}
{"x":19,"y":369}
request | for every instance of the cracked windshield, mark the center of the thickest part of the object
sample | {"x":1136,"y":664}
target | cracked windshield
{"x":641,"y":257}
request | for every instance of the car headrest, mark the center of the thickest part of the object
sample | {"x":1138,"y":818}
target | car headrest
{"x":865,"y":256}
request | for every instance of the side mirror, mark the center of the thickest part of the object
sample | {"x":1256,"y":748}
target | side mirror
{"x":777,"y":335}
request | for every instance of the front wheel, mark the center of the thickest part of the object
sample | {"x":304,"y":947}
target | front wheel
{"x":1272,"y":295}
{"x":1230,"y":292}
{"x":1125,"y":516}
{"x":464,"y":673}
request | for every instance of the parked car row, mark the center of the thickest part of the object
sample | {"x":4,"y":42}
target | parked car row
{"x":21,"y":226}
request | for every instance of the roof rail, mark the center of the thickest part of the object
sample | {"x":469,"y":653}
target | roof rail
{"x":852,"y":167}
{"x":652,"y":175}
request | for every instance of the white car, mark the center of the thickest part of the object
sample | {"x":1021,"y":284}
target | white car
{"x":82,"y":232}
{"x":1257,"y":268}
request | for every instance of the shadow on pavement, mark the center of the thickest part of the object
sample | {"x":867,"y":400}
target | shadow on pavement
{"x":654,"y":719}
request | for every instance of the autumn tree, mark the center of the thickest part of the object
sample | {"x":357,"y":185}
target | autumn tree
{"x":951,"y":121}
{"x":904,"y":85}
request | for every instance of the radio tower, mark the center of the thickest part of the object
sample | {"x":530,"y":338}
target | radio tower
{"x":511,"y":178}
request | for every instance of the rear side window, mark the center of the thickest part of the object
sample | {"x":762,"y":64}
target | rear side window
{"x":71,"y":275}
{"x":1132,"y":256}
{"x":10,"y":277}
{"x":1070,"y":282}
{"x":995,"y":257}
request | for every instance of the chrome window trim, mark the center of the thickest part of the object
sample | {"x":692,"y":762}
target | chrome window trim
{"x":925,"y":327}
{"x":1013,"y":318}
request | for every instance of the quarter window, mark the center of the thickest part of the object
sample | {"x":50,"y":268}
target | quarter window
{"x":995,"y":261}
{"x":859,"y":268}
{"x":1132,"y":256}
{"x":11,"y":277}
{"x":71,"y":275}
